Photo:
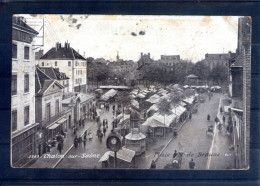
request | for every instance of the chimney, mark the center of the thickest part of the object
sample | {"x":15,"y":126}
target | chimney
{"x":57,"y":46}
{"x":149,"y":55}
{"x":141,"y":54}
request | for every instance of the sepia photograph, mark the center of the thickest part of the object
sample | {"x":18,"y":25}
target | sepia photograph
{"x":130,"y":92}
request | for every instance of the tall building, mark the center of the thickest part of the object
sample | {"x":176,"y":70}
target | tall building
{"x":67,"y":60}
{"x":239,"y":90}
{"x":24,"y":129}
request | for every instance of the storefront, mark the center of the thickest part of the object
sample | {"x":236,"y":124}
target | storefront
{"x":24,"y":145}
{"x":55,"y":128}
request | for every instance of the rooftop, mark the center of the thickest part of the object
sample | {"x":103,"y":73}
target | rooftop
{"x":60,"y":52}
{"x":54,"y":73}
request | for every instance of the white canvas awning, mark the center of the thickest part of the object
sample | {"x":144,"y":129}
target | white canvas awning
{"x":109,"y":94}
{"x":105,"y":156}
{"x":141,"y":95}
{"x":160,"y":120}
{"x":179,"y":110}
{"x":62,"y":120}
{"x":153,"y":107}
{"x":124,"y":154}
{"x":53,"y":126}
{"x":189,"y":100}
{"x":135,"y":103}
{"x":153,"y":99}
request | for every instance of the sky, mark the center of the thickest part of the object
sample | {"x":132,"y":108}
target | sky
{"x":102,"y":36}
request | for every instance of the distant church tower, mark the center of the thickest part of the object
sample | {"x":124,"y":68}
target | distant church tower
{"x":117,"y":57}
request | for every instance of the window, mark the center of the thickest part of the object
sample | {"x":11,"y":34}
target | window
{"x":26,"y":83}
{"x":14,"y":120}
{"x":26,"y":52}
{"x":69,"y":63}
{"x":57,"y":107}
{"x":14,"y":51}
{"x":43,"y":64}
{"x":26,"y":115}
{"x":14,"y":84}
{"x":55,"y":63}
{"x":48,"y":111}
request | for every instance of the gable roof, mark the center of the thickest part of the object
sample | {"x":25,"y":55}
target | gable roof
{"x":54,"y":73}
{"x":62,"y":53}
{"x":43,"y":82}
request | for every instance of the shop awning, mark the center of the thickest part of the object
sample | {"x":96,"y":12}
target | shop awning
{"x":53,"y":126}
{"x":189,"y":100}
{"x":153,"y":99}
{"x":158,"y":120}
{"x":62,"y":120}
{"x":124,"y":154}
{"x":105,"y":156}
{"x":109,"y":94}
{"x":179,"y":110}
{"x":153,"y":107}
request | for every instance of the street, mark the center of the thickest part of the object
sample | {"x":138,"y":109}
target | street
{"x":195,"y":143}
{"x":192,"y":140}
{"x":89,"y":156}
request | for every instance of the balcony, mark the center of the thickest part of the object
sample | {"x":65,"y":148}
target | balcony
{"x":54,"y":118}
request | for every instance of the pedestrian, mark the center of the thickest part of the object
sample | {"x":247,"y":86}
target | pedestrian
{"x":84,"y":142}
{"x":216,"y":119}
{"x":114,"y":107}
{"x":153,"y":165}
{"x":85,"y":135}
{"x":59,"y":147}
{"x":174,"y":154}
{"x":192,"y":164}
{"x":208,"y":117}
{"x":104,"y":131}
{"x":106,"y":123}
{"x":76,"y":142}
{"x":80,"y":140}
{"x":190,"y":116}
{"x":100,"y":136}
{"x":224,"y":120}
{"x":89,"y":135}
{"x":221,"y":109}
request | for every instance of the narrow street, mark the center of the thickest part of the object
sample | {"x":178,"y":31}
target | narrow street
{"x":193,"y":140}
{"x":89,"y":156}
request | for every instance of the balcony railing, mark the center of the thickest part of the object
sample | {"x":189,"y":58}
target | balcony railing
{"x":54,"y":118}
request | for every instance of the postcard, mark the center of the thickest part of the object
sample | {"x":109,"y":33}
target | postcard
{"x":130,"y":92}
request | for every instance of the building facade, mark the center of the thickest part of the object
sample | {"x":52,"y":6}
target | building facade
{"x":214,"y":60}
{"x":24,"y":129}
{"x":53,"y":119}
{"x":239,"y":91}
{"x":70,"y":62}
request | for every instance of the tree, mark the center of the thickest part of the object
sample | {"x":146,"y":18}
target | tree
{"x":201,"y":70}
{"x":124,"y":99}
{"x":164,"y":108}
{"x":219,"y":74}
